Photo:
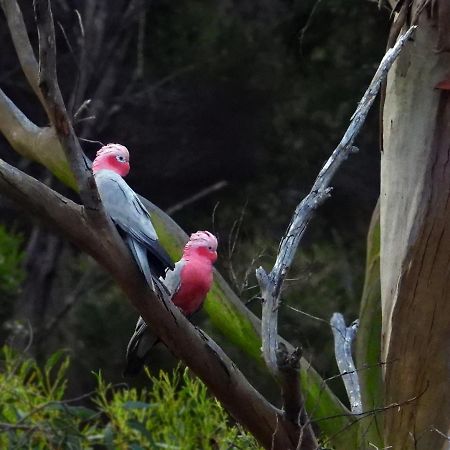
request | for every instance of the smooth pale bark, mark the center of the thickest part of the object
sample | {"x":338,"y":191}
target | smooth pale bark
{"x":415,"y":244}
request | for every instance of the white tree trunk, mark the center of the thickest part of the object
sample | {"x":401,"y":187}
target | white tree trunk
{"x":415,"y":244}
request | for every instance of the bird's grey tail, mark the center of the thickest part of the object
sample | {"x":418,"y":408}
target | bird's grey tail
{"x":140,"y":256}
{"x":138,"y":349}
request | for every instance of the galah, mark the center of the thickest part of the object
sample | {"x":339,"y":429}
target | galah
{"x":188,"y":285}
{"x":128,"y":213}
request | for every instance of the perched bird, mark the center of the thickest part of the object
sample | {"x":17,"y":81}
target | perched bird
{"x":188,"y":285}
{"x":128,"y":213}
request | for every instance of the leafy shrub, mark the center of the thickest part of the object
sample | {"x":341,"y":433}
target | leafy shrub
{"x":175,"y":413}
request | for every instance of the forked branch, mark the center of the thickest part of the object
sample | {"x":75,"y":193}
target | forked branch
{"x":271,"y":283}
{"x":343,"y":339}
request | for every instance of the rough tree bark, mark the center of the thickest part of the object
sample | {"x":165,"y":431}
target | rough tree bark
{"x":415,"y":233}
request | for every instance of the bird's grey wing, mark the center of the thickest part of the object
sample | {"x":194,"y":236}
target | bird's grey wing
{"x":140,"y":256}
{"x":130,"y":215}
{"x":139,"y":347}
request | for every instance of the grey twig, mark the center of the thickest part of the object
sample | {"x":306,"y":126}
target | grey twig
{"x":343,"y":339}
{"x":194,"y":198}
{"x":271,"y":283}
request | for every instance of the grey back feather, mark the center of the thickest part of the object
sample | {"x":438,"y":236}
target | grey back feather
{"x":130,"y":216}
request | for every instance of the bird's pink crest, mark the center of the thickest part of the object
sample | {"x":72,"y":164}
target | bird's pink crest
{"x":113,"y":157}
{"x":203,"y":243}
{"x":203,"y":238}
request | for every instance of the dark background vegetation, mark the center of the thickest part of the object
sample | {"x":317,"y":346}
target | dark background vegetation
{"x":253,"y":93}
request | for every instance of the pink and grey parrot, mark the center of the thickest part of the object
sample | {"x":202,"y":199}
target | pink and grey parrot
{"x":128,"y":213}
{"x":188,"y":285}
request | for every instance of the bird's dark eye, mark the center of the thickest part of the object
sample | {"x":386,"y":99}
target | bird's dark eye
{"x":209,"y":248}
{"x":120,"y":158}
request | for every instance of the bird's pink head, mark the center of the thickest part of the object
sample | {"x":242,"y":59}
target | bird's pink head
{"x":113,"y":157}
{"x":202,"y":243}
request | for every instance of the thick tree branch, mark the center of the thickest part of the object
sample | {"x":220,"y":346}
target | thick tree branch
{"x":191,"y":345}
{"x":271,"y":283}
{"x":48,"y":84}
{"x":38,"y":144}
{"x":343,"y":340}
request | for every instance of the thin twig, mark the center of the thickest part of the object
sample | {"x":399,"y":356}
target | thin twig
{"x":343,"y":339}
{"x":194,"y":198}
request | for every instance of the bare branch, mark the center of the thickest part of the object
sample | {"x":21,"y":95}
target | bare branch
{"x":48,"y":84}
{"x":194,"y":198}
{"x":22,"y":45}
{"x":32,"y":142}
{"x":271,"y":284}
{"x":293,"y":402}
{"x":269,"y":320}
{"x":321,"y":189}
{"x":343,"y":339}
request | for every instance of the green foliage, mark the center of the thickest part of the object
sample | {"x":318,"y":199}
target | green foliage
{"x":32,"y":411}
{"x":175,"y":413}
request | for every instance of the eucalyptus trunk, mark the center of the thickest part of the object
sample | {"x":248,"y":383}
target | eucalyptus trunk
{"x":415,"y":235}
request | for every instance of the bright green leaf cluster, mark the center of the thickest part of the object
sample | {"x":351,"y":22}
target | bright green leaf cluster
{"x":175,"y":413}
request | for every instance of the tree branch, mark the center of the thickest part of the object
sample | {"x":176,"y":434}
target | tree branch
{"x":48,"y":84}
{"x":197,"y":196}
{"x":38,"y":144}
{"x":271,"y":284}
{"x":343,"y":340}
{"x":23,"y":47}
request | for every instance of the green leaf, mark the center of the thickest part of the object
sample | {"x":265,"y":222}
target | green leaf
{"x":108,"y":435}
{"x":81,"y":412}
{"x":140,"y":427}
{"x":136,"y":447}
{"x":53,"y":360}
{"x":138,"y":405}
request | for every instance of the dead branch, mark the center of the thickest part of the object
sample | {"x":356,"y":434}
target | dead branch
{"x":197,"y":196}
{"x":57,"y":114}
{"x":271,"y":284}
{"x":23,"y":47}
{"x":343,"y":339}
